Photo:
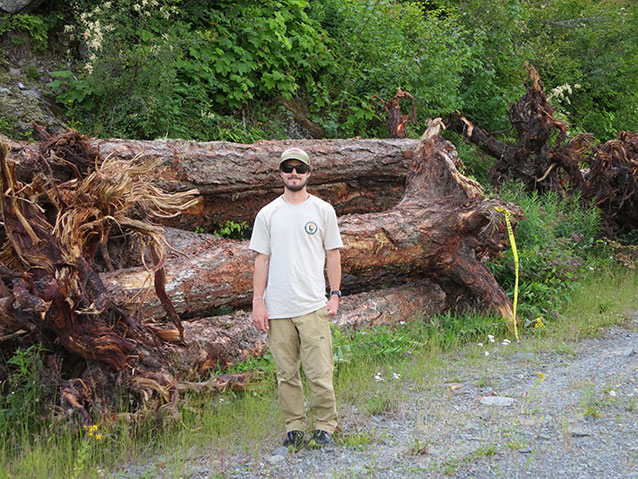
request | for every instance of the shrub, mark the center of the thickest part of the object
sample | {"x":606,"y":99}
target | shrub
{"x":33,"y":25}
{"x":556,"y":242}
{"x":22,"y":394}
{"x":156,"y":71}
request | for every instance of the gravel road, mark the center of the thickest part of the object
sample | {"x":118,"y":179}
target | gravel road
{"x":497,"y":410}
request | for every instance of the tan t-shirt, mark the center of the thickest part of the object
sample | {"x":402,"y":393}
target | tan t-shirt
{"x":296,"y":237}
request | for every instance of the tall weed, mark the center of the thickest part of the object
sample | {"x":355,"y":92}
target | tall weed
{"x":22,"y":390}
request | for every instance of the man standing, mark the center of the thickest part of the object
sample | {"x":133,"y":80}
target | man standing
{"x":295,"y":236}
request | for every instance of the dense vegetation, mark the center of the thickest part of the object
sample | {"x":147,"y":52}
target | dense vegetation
{"x":243,"y":70}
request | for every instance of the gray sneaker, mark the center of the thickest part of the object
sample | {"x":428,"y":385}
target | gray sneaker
{"x":294,"y":440}
{"x":321,"y":439}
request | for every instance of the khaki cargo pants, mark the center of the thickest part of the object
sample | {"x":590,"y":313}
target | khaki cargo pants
{"x":306,"y":338}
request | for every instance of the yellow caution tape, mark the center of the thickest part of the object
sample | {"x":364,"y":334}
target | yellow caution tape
{"x":510,"y":233}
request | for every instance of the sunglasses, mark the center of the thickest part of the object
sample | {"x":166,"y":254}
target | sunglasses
{"x":301,"y":169}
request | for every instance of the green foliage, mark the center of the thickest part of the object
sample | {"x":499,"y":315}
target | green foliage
{"x":8,"y":124}
{"x":22,"y":390}
{"x":476,"y":164}
{"x":158,"y":71}
{"x":381,"y":343}
{"x":494,"y":75}
{"x":221,"y":70}
{"x":591,"y":46}
{"x":556,"y":243}
{"x":233,"y":230}
{"x":379,"y":46}
{"x":451,"y":329}
{"x":260,"y":49}
{"x":34,"y":25}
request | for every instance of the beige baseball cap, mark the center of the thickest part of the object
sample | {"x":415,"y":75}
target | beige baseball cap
{"x":295,"y":154}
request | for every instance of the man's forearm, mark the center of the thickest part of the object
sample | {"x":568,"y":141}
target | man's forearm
{"x":260,"y":276}
{"x":333,"y":267}
{"x":260,"y":279}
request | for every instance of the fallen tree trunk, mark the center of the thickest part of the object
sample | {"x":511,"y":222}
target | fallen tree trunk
{"x":441,"y":229}
{"x":224,"y":340}
{"x":234,"y":181}
{"x":543,"y":161}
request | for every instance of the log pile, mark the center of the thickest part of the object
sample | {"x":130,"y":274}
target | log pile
{"x":71,"y":217}
{"x":544,"y":160}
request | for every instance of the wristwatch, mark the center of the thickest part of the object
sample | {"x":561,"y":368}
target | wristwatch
{"x":336,"y":291}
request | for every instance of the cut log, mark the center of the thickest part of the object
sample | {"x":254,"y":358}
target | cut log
{"x":440,"y":230}
{"x":224,"y":340}
{"x":217,"y":342}
{"x":234,"y":180}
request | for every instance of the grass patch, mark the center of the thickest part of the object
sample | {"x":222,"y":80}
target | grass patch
{"x":357,"y":440}
{"x":485,"y":451}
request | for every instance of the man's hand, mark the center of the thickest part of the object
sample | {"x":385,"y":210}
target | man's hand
{"x":260,"y":316}
{"x":333,"y":305}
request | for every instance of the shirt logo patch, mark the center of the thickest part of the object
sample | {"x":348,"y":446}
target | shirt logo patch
{"x":311,"y":227}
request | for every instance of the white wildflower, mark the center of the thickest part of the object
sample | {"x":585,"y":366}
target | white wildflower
{"x":490,"y":337}
{"x":612,"y":393}
{"x":560,"y":93}
{"x":480,"y":345}
{"x":487,"y":353}
{"x":378,"y":377}
{"x":396,"y":376}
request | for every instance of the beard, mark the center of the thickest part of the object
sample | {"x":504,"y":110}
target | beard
{"x":294,"y":187}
